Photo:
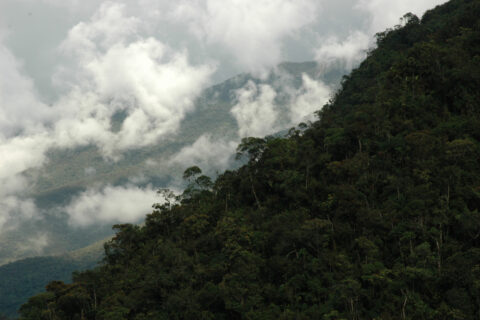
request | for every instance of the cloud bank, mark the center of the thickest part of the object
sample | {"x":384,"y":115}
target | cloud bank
{"x":208,"y":153}
{"x":117,"y":71}
{"x":249,"y":30}
{"x":379,"y":15}
{"x":111,"y":205}
{"x":264,"y":109}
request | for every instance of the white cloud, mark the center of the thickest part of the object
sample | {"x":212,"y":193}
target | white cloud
{"x":22,"y":139}
{"x":381,"y":14}
{"x":20,"y":109}
{"x":255,"y":110}
{"x":386,"y":13}
{"x":107,"y":27}
{"x":310,"y":97}
{"x":209,"y":154}
{"x":350,"y":51}
{"x":110,"y":205}
{"x":154,"y":85}
{"x":252,"y":31}
{"x":17,"y":155}
{"x":21,"y":153}
{"x":263,"y":109}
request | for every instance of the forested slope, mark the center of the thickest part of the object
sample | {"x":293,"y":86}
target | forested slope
{"x":369,"y":213}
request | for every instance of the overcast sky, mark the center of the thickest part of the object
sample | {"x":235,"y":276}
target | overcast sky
{"x":68,"y":65}
{"x":232,"y":35}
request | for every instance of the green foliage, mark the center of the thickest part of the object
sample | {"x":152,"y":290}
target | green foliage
{"x":372,"y":212}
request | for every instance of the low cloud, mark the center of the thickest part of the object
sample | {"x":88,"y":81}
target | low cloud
{"x":263,"y":109}
{"x":21,"y":110}
{"x":255,"y":110}
{"x":15,"y":210}
{"x":381,"y":14}
{"x":153,"y":85}
{"x":210,"y":154}
{"x":17,"y":155}
{"x":33,"y":245}
{"x":310,"y":97}
{"x":349,"y":51}
{"x":252,"y":31}
{"x":110,"y":204}
{"x":17,"y":245}
{"x":385,"y":14}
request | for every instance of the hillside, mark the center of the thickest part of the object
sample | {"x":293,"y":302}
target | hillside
{"x":372,"y":212}
{"x":24,"y":278}
{"x":70,"y":171}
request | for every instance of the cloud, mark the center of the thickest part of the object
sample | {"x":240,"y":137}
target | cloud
{"x":349,"y":51}
{"x":264,"y":109}
{"x":33,"y":245}
{"x":21,"y":153}
{"x":310,"y":97}
{"x":380,"y":15}
{"x":23,"y":140}
{"x":108,"y":26}
{"x":153,"y":85}
{"x":258,"y":112}
{"x":14,"y":210}
{"x":110,"y":205}
{"x":20,"y":109}
{"x":17,"y":245}
{"x":386,"y":13}
{"x":210,"y":154}
{"x":17,"y":155}
{"x":255,"y":110}
{"x":251,"y":31}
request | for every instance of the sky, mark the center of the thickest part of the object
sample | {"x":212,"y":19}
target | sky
{"x":69,"y":65}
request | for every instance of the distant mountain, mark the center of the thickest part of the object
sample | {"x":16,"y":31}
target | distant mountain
{"x":70,"y":171}
{"x":23,"y":278}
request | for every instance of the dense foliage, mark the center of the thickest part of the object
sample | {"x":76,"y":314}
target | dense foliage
{"x":370,"y":213}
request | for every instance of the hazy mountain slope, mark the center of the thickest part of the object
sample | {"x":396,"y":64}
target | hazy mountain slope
{"x":24,"y":278}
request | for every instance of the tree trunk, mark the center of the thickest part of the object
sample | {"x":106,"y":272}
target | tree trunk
{"x":254,"y":193}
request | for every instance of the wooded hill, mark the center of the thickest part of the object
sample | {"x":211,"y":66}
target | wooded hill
{"x":372,"y":212}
